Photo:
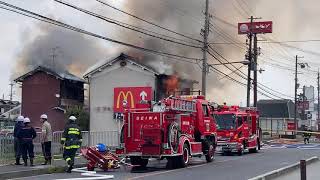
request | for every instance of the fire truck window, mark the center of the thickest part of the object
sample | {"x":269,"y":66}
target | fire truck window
{"x":245,"y":118}
{"x":249,"y":121}
{"x":205,"y":110}
{"x":225,"y":121}
{"x":240,"y":121}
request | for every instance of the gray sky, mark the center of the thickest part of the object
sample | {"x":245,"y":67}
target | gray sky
{"x":293,"y":20}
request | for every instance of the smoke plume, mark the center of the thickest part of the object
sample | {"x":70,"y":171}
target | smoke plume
{"x":60,"y":50}
{"x":67,"y":50}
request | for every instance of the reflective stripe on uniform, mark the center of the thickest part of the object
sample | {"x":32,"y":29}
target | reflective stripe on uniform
{"x":74,"y":132}
{"x":68,"y":159}
{"x":80,"y":140}
{"x":74,"y":129}
{"x":72,"y":147}
{"x":63,"y":139}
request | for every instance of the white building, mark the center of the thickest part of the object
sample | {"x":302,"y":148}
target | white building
{"x":122,"y":71}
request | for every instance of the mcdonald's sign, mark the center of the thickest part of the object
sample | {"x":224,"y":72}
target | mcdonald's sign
{"x":132,"y":96}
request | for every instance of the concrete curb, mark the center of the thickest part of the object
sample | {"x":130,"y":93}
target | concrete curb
{"x":35,"y":172}
{"x":284,"y":170}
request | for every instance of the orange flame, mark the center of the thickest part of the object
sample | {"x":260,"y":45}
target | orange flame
{"x":172,"y":84}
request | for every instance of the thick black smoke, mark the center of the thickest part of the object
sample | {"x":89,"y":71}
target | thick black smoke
{"x":58,"y":49}
{"x":76,"y":52}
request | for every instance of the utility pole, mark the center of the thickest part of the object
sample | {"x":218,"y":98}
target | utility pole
{"x":205,"y":49}
{"x":296,"y":89}
{"x":255,"y":70}
{"x":250,"y":63}
{"x":318,"y":117}
{"x":295,"y":93}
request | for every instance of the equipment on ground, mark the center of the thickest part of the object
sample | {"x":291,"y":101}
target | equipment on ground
{"x":104,"y":160}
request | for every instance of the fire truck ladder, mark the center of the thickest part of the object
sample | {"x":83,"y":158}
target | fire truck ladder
{"x":178,"y":104}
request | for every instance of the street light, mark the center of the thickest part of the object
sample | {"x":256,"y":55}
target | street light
{"x":235,"y":62}
{"x":302,"y":66}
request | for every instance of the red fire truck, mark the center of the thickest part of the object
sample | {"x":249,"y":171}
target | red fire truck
{"x":237,"y":129}
{"x":176,"y":128}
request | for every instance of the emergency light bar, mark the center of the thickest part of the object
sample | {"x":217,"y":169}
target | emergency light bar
{"x":190,"y":97}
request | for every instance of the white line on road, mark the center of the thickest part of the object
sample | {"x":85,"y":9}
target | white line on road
{"x":91,"y":174}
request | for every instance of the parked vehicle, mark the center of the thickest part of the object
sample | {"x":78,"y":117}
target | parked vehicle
{"x":176,"y":128}
{"x":237,"y":129}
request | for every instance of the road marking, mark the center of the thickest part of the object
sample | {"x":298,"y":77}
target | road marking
{"x":175,"y":170}
{"x":91,"y":174}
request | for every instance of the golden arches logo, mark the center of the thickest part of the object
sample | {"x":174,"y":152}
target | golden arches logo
{"x":125,"y":98}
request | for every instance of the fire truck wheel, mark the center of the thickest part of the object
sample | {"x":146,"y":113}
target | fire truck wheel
{"x":183,"y":160}
{"x":139,"y":161}
{"x":210,"y":153}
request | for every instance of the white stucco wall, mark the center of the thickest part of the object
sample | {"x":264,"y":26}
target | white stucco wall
{"x":102,"y":85}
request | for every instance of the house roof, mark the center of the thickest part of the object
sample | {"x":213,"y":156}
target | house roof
{"x":279,"y":108}
{"x":98,"y":67}
{"x":60,"y":75}
{"x":8,"y":102}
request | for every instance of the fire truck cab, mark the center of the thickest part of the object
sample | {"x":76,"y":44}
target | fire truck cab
{"x":237,"y":129}
{"x":176,"y":128}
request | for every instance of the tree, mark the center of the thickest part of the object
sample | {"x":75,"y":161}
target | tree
{"x":82,"y":117}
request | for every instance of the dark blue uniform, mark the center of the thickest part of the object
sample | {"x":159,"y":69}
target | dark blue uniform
{"x":17,"y":149}
{"x":26,"y":135}
{"x":71,"y":139}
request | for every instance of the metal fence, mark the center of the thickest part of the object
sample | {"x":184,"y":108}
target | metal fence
{"x":274,"y":127}
{"x":109,"y":138}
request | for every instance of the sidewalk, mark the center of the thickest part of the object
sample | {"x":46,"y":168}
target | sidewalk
{"x":14,"y":171}
{"x":313,"y":173}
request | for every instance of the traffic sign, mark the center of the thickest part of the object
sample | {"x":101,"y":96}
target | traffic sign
{"x":257,"y":27}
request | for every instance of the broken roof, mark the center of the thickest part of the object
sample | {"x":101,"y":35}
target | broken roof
{"x":98,"y":67}
{"x":60,"y":75}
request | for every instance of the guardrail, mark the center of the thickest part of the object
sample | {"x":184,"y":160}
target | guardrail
{"x":109,"y":138}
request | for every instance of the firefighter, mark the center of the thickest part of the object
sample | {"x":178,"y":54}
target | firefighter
{"x":307,"y":136}
{"x":71,"y":140}
{"x":46,"y":139}
{"x":17,"y":149}
{"x":26,"y":135}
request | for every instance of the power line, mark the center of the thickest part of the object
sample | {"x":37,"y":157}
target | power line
{"x":238,"y":82}
{"x":109,"y":20}
{"x":232,"y":72}
{"x":242,"y":76}
{"x":149,"y":22}
{"x":67,"y":26}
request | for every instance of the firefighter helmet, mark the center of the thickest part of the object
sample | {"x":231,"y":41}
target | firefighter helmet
{"x":43,"y":116}
{"x":26,"y":120}
{"x":72,"y":118}
{"x":20,"y":119}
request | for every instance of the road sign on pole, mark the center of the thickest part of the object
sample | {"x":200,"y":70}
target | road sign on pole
{"x":257,"y":27}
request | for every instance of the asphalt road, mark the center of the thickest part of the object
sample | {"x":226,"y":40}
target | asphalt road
{"x":223,"y":168}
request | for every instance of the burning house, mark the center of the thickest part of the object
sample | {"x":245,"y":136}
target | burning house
{"x":51,"y":92}
{"x":125,"y":78}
